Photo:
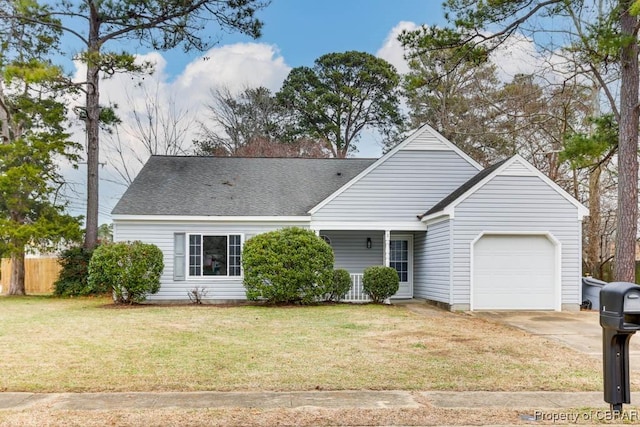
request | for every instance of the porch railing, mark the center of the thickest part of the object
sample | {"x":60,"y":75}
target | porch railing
{"x":356,"y":294}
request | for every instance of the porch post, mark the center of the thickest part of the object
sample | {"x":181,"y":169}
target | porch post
{"x":387,"y":238}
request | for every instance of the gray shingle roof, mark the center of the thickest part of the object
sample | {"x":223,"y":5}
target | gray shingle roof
{"x":458,"y":192}
{"x":234,"y":186}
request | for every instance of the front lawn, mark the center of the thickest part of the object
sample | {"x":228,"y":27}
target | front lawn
{"x":74,"y":345}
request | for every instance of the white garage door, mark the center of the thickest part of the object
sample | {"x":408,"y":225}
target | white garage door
{"x":514,"y":272}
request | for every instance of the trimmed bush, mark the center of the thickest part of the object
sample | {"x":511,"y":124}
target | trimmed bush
{"x":380,"y":282}
{"x":73,"y":278}
{"x":340,"y":285}
{"x":287,"y":265}
{"x":129,"y":270}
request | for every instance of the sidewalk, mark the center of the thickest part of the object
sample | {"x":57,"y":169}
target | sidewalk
{"x":319,"y":399}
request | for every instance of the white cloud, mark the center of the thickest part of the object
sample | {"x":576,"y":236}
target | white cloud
{"x":392,"y":50}
{"x":235,"y":66}
{"x":518,"y":55}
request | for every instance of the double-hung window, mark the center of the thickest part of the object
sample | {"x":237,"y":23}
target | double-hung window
{"x":214,"y":255}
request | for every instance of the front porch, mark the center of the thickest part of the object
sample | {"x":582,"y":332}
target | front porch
{"x":356,"y":250}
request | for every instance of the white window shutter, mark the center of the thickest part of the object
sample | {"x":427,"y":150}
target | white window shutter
{"x":179,"y":248}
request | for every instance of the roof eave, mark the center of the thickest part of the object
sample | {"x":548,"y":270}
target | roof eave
{"x":212,"y":218}
{"x":435,"y":217}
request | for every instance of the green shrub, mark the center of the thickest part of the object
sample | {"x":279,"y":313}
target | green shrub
{"x":73,"y":278}
{"x":129,"y":270}
{"x":340,"y":285}
{"x":287,"y":265}
{"x":380,"y":282}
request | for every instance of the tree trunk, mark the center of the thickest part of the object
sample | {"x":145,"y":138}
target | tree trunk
{"x":627,"y":150}
{"x":92,"y":123}
{"x":16,"y":284}
{"x":5,"y":134}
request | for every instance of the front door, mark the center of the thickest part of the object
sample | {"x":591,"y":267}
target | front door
{"x":401,"y":258}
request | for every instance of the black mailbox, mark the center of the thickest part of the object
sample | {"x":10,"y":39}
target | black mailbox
{"x":619,"y":318}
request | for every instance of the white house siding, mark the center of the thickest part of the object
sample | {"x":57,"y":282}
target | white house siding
{"x":427,"y":140}
{"x":350,"y":249}
{"x":516,"y":168}
{"x":433,"y":263}
{"x":162,"y":235}
{"x":419,"y":264}
{"x":516,"y":204}
{"x":407,"y":184}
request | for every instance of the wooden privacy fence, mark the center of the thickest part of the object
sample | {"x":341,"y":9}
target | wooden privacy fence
{"x":40,"y":274}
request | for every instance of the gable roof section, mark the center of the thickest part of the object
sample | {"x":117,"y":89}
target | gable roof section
{"x":460,"y":191}
{"x":515,"y":165}
{"x":234,"y":186}
{"x":424,"y":138}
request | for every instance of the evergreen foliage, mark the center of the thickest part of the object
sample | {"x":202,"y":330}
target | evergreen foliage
{"x":287,"y":266}
{"x":73,"y":278}
{"x":98,"y":27}
{"x":380,"y":282}
{"x":340,"y":96}
{"x":130,"y":270}
{"x":33,"y":140}
{"x":340,"y":285}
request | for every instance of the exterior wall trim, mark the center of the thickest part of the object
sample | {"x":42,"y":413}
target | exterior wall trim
{"x":558,"y":261}
{"x":364,"y":225}
{"x":452,"y":295}
{"x":438,"y":217}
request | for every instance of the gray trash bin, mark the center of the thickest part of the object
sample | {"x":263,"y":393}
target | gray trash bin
{"x":591,"y":292}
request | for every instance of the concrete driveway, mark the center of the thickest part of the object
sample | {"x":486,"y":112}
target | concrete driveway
{"x":580,"y":330}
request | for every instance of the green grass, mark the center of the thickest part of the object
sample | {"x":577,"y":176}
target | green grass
{"x":73,"y":345}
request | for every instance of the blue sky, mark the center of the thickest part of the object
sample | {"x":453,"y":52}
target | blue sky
{"x":303,"y":30}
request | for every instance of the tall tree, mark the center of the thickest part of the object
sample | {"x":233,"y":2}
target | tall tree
{"x":33,"y":139}
{"x":535,"y":120}
{"x":627,"y":229}
{"x":610,"y":38}
{"x":234,"y":121}
{"x":591,"y":152}
{"x":158,"y":127}
{"x":160,"y":24}
{"x":455,"y":94}
{"x":340,"y":96}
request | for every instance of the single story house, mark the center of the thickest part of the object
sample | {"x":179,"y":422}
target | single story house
{"x":468,"y":238}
